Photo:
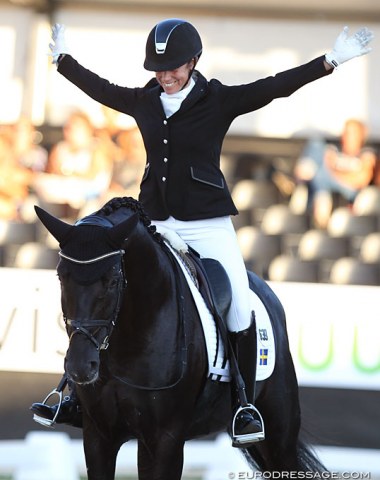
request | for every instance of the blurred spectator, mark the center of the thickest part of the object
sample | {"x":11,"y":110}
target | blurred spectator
{"x":128,"y":150}
{"x":26,"y":146}
{"x":15,"y":179}
{"x":79,"y":167}
{"x":129,"y":166}
{"x":109,"y":132}
{"x":376,"y":175}
{"x":110,"y":128}
{"x":332,"y":171}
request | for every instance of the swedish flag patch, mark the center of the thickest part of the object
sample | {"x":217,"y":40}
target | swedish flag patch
{"x":263,"y":356}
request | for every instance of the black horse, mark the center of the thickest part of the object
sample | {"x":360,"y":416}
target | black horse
{"x":137,"y":352}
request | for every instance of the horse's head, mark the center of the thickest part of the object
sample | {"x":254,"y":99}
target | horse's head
{"x":92,"y":279}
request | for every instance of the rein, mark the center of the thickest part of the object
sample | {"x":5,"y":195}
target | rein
{"x":181,"y":319}
{"x":82,"y":327}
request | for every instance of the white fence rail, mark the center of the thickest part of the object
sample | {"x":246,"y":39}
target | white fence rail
{"x":54,"y":456}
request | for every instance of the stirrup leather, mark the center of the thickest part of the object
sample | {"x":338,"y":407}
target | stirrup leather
{"x":45,"y":421}
{"x":238,"y":440}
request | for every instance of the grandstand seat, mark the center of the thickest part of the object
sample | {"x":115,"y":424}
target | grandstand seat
{"x":12,"y":235}
{"x":351,"y":271}
{"x":316,"y":245}
{"x":254,"y":193}
{"x":258,"y":249}
{"x":36,"y":255}
{"x":370,"y":248}
{"x":298,"y":202}
{"x":344,"y":223}
{"x":16,"y":232}
{"x":285,"y":268}
{"x":367,"y":201}
{"x":251,"y":198}
{"x":279,"y":219}
{"x":227,"y":166}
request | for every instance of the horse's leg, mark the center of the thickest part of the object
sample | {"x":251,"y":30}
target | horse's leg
{"x":279,"y":405}
{"x":100,"y":454}
{"x":161,"y":459}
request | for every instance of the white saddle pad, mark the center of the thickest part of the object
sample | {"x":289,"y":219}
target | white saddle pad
{"x":219,"y":368}
{"x":266,"y":352}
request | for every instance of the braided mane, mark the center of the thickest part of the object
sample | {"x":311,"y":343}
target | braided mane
{"x":132,"y":204}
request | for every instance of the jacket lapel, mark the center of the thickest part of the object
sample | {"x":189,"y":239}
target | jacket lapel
{"x":154,"y":93}
{"x":199,"y":90}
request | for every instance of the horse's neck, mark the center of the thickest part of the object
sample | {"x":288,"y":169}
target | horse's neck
{"x":149,"y":319}
{"x":148,"y":267}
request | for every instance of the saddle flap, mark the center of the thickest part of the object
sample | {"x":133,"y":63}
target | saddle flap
{"x":219,"y":284}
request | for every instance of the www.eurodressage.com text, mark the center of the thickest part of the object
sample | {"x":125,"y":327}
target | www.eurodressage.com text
{"x":300,"y":475}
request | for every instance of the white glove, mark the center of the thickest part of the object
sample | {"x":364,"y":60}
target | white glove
{"x":348,"y":47}
{"x":59,"y":46}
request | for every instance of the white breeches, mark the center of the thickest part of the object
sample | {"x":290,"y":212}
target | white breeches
{"x":216,"y":238}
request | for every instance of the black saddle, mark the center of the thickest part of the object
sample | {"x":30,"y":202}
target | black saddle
{"x":214,"y":283}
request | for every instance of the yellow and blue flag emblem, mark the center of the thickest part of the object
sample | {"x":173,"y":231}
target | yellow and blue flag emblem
{"x":263,"y":356}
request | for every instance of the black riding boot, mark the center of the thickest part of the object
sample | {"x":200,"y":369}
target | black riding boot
{"x":247,"y":425}
{"x":67,"y":411}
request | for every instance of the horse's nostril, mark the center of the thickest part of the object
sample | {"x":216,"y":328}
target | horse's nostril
{"x":94,"y":366}
{"x":85,"y":372}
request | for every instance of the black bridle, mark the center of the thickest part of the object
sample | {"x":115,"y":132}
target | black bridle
{"x":82,"y":327}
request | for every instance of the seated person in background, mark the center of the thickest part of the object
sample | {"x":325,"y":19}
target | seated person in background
{"x":328,"y":169}
{"x":109,"y":130}
{"x":79,"y":167}
{"x":14,"y":180}
{"x":129,"y":156}
{"x":130,"y":164}
{"x":26,"y":146}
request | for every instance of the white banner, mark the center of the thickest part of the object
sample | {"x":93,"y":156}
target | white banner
{"x":32,"y":333}
{"x":334,"y":331}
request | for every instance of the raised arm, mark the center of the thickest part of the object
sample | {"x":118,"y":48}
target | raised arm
{"x":113,"y":96}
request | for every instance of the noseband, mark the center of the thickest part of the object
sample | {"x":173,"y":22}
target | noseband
{"x":82,"y":327}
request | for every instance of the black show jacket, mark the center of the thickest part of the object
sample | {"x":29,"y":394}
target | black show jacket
{"x":182,"y":175}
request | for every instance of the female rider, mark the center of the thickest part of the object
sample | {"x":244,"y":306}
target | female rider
{"x":183,"y":119}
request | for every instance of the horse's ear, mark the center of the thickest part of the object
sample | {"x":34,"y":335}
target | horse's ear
{"x":56,"y":227}
{"x":119,"y":233}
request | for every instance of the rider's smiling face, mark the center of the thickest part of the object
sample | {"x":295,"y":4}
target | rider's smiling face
{"x":172,"y":81}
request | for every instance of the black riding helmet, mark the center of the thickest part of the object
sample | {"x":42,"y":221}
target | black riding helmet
{"x":171,"y":43}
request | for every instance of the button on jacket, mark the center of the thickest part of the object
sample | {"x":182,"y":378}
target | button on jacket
{"x":182,"y":175}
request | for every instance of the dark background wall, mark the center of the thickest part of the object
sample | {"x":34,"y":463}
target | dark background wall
{"x":337,"y":417}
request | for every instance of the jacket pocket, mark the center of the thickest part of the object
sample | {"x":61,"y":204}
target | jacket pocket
{"x":146,"y":172}
{"x":207,"y":178}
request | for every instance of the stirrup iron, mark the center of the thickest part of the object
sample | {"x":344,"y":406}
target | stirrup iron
{"x":238,"y":440}
{"x":45,"y":421}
